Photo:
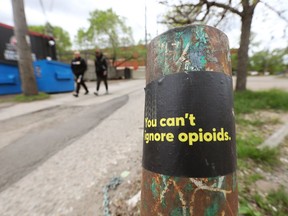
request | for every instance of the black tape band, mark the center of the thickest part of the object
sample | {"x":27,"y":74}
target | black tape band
{"x":189,"y":128}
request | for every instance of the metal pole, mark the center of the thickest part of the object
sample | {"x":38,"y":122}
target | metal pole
{"x":189,"y":153}
{"x":145,"y":24}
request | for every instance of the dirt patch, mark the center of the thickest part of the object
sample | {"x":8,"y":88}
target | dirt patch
{"x":272,"y":179}
{"x":277,"y":177}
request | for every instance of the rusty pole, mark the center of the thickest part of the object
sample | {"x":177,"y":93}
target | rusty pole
{"x":189,"y":150}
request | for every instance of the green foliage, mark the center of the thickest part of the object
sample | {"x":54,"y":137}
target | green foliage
{"x":254,"y":177}
{"x":274,"y":204}
{"x":62,"y":39}
{"x":267,"y":61}
{"x":259,"y":61}
{"x":247,"y":209}
{"x":259,"y":200}
{"x":246,"y":122}
{"x":23,"y":98}
{"x":81,"y":39}
{"x":250,"y":155}
{"x":39,"y":29}
{"x":262,"y":61}
{"x":106,"y":29}
{"x":234,"y":61}
{"x":249,"y":101}
{"x":247,"y":148}
{"x":279,"y":199}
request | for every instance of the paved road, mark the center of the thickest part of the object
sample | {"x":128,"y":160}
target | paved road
{"x":266,"y":82}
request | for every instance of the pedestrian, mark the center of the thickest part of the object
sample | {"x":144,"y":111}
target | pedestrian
{"x":79,"y":67}
{"x":101,"y":69}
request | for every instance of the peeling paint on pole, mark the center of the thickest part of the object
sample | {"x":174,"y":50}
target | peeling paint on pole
{"x":189,"y":153}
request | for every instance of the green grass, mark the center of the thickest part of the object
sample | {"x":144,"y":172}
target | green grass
{"x":250,"y":135}
{"x":23,"y":98}
{"x":279,"y":199}
{"x":247,"y":209}
{"x":275,"y":203}
{"x":249,"y":101}
{"x":245,"y":122}
{"x":247,"y":147}
{"x":254,"y":177}
{"x":249,"y":140}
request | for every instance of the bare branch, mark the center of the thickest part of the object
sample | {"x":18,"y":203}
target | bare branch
{"x":187,"y":13}
{"x":279,"y":13}
{"x":223,"y":14}
{"x":224,"y":6}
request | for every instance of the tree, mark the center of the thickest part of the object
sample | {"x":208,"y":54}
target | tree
{"x":81,"y":39}
{"x":106,"y":29}
{"x":268,"y":61}
{"x":215,"y":12}
{"x":28,"y":80}
{"x":61,"y":36}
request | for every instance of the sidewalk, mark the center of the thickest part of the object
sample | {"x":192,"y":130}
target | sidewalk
{"x":71,"y":181}
{"x":11,"y":110}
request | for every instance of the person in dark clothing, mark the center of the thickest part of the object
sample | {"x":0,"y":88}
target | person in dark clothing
{"x":79,"y":67}
{"x":101,"y":69}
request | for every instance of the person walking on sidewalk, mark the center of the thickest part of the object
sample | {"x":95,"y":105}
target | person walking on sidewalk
{"x":101,"y":69}
{"x":79,"y":67}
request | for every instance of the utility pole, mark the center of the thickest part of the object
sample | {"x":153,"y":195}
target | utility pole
{"x":189,"y":146}
{"x":145,"y":24}
{"x":25,"y":63}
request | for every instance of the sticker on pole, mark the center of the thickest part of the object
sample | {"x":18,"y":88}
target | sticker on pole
{"x":189,"y":128}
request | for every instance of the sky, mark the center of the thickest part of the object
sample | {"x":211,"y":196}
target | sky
{"x":72,"y":15}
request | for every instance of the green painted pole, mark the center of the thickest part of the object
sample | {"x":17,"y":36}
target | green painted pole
{"x":189,"y":147}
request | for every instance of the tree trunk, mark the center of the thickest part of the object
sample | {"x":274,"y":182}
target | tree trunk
{"x":243,"y":50}
{"x":29,"y":86}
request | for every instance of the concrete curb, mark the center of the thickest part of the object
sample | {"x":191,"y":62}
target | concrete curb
{"x":275,"y":139}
